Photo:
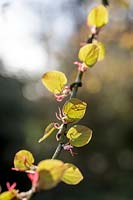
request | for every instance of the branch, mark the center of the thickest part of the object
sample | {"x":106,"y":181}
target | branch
{"x":26,"y":195}
{"x":105,"y":2}
{"x":59,"y":148}
{"x":77,"y":84}
{"x":74,"y":86}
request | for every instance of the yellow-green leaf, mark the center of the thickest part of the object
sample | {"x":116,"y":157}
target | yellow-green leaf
{"x":54,"y":81}
{"x":48,"y":131}
{"x":72,"y":175}
{"x":23,"y":160}
{"x":50,"y":173}
{"x":98,"y":16}
{"x":8,"y":195}
{"x":74,"y":110}
{"x":79,"y":135}
{"x":89,"y":54}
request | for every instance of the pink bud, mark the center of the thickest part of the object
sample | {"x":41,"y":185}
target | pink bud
{"x":11,"y":187}
{"x":33,"y":177}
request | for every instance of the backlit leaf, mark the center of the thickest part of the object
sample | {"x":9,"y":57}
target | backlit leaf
{"x":89,"y":54}
{"x":74,"y":110}
{"x":50,"y":173}
{"x":54,"y":81}
{"x":98,"y":16}
{"x":8,"y":195}
{"x":48,"y":131}
{"x":72,"y":175}
{"x":23,"y":160}
{"x":79,"y":135}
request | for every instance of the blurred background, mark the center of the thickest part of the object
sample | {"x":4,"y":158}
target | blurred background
{"x":40,"y":35}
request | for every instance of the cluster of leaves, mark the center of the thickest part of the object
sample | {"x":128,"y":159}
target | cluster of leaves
{"x":78,"y":135}
{"x":56,"y":82}
{"x":48,"y":173}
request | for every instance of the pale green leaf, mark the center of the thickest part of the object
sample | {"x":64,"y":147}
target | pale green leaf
{"x":89,"y":54}
{"x":98,"y":16}
{"x":74,"y":110}
{"x":54,"y":81}
{"x":72,"y":175}
{"x":50,"y":173}
{"x":8,"y":195}
{"x":79,"y":135}
{"x":23,"y":160}
{"x":48,"y":131}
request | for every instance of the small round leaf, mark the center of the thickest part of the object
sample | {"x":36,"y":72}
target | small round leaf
{"x":54,"y":81}
{"x":74,"y":110}
{"x":23,"y":160}
{"x":79,"y":135}
{"x":8,"y":195}
{"x":48,"y":131}
{"x":89,"y":54}
{"x":50,"y":173}
{"x":72,"y":175}
{"x":98,"y":16}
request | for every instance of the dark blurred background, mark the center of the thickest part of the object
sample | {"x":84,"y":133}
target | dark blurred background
{"x":39,"y":35}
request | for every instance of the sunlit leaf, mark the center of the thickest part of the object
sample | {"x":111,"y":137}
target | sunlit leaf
{"x":50,"y":173}
{"x":54,"y":81}
{"x":89,"y":54}
{"x":23,"y":160}
{"x":48,"y":131}
{"x":74,"y":110}
{"x":79,"y":135}
{"x":8,"y":195}
{"x":72,"y":175}
{"x":98,"y":16}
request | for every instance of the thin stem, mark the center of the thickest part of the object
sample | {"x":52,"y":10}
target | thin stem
{"x":26,"y":195}
{"x":64,"y":127}
{"x":75,"y":88}
{"x":105,"y":2}
{"x":59,"y":148}
{"x":57,"y":151}
{"x":74,"y":92}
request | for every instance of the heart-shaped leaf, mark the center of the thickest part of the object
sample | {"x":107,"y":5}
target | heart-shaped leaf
{"x":72,"y":175}
{"x":98,"y":16}
{"x":79,"y":135}
{"x":54,"y":81}
{"x":91,"y":53}
{"x":50,"y":173}
{"x":74,"y":110}
{"x":23,"y":160}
